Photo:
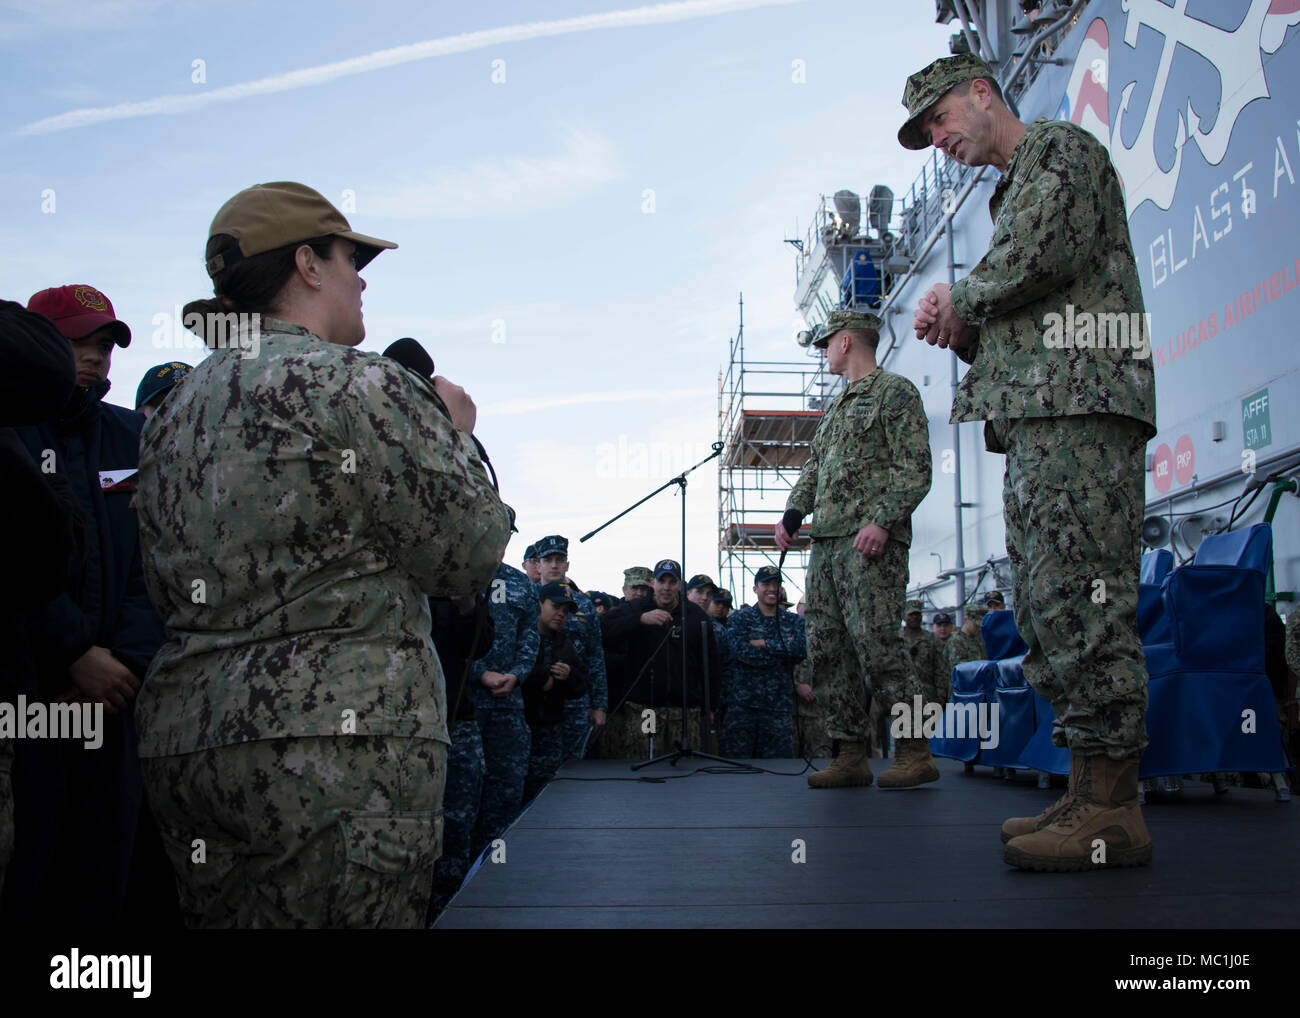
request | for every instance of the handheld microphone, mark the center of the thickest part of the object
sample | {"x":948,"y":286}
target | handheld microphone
{"x":411,"y":355}
{"x":791,"y":521}
{"x":415,"y":358}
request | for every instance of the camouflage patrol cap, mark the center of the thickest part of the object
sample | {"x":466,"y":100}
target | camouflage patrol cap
{"x":927,"y":86}
{"x":264,"y":217}
{"x":976,"y":611}
{"x":913,"y":606}
{"x":844,"y":318}
{"x":637,"y":576}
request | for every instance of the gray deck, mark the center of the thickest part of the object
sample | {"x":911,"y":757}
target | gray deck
{"x":714,"y":850}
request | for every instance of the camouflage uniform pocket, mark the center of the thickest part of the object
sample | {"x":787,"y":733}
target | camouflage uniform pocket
{"x":389,"y":868}
{"x":217,"y":882}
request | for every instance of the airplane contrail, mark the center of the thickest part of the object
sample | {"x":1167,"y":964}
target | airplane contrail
{"x":309,"y":76}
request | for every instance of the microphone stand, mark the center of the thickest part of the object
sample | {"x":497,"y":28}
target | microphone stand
{"x":684,"y":744}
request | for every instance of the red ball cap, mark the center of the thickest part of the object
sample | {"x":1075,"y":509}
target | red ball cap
{"x":77,"y":310}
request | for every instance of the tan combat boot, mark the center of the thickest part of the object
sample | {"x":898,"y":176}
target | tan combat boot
{"x":1101,"y":828}
{"x":848,"y":770}
{"x":913,"y":765}
{"x":1017,"y":826}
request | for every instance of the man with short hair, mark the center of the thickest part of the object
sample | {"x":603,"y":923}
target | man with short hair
{"x":157,"y":384}
{"x":1073,"y":419}
{"x":583,"y":626}
{"x":927,"y":657}
{"x":649,"y":633}
{"x":499,"y":701}
{"x":699,"y":590}
{"x":941,"y":627}
{"x":558,"y":676}
{"x":726,"y":665}
{"x":78,"y":808}
{"x":38,"y":377}
{"x":532,"y":567}
{"x":766,"y":643}
{"x":867,"y":470}
{"x":637,"y":583}
{"x":967,"y":644}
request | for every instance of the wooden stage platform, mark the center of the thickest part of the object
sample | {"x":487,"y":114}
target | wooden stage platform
{"x":703,"y":849}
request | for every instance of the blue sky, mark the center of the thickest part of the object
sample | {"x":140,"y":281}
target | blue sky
{"x":520,"y":206}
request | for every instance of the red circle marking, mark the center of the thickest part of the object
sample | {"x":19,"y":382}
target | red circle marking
{"x":1162,"y":468}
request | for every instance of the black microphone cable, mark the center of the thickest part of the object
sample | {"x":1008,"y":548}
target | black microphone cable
{"x":791,"y":521}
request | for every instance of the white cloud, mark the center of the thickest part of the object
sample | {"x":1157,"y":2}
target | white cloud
{"x":306,"y":77}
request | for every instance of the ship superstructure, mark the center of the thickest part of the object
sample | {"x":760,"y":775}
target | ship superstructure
{"x":1200,"y":112}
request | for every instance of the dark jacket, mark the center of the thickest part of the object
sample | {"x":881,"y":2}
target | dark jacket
{"x":112,"y":608}
{"x":454,"y":639}
{"x":546,"y":706}
{"x":615,"y":658}
{"x":37,"y":378}
{"x":652,"y":669}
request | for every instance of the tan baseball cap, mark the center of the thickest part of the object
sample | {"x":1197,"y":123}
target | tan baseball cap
{"x":268,"y":216}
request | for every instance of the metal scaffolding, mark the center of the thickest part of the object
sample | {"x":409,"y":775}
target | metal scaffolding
{"x":768,"y":412}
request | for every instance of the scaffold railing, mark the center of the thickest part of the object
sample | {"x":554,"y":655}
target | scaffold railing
{"x":768,"y":412}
